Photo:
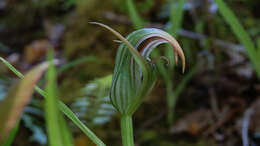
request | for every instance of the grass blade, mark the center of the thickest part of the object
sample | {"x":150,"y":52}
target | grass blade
{"x":58,"y":133}
{"x":176,"y":17}
{"x":258,"y":46}
{"x":240,"y":33}
{"x":76,"y":62}
{"x":136,"y":19}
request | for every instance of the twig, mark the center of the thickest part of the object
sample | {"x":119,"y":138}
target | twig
{"x":214,"y":103}
{"x":182,"y":32}
{"x":217,"y":42}
{"x":245,"y":126}
{"x":226,"y":114}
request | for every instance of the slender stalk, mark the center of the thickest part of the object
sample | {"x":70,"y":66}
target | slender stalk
{"x":127,"y":130}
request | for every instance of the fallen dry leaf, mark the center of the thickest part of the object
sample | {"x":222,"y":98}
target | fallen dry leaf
{"x":193,"y":123}
{"x":17,"y":98}
{"x":36,"y":50}
{"x":255,"y":125}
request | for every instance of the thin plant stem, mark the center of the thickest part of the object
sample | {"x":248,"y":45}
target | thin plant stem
{"x":127,"y":130}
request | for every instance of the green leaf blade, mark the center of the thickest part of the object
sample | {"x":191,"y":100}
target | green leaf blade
{"x":58,"y":133}
{"x":240,"y":33}
{"x":176,"y":17}
{"x":136,"y":19}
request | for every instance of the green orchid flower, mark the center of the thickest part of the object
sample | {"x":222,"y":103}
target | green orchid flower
{"x":135,"y":74}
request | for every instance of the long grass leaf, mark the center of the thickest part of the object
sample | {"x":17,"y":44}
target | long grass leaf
{"x":75,"y":63}
{"x":57,"y":131}
{"x":176,"y":16}
{"x":258,"y":46}
{"x":135,"y":17}
{"x":240,"y":33}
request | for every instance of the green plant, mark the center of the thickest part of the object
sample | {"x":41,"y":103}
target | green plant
{"x":250,"y":48}
{"x":135,"y":74}
{"x":13,"y":104}
{"x":176,"y":17}
{"x":136,"y":19}
{"x":76,"y":62}
{"x":62,"y":107}
{"x":133,"y":79}
{"x":57,"y":129}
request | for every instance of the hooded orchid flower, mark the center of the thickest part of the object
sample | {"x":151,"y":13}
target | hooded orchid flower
{"x":134,"y":74}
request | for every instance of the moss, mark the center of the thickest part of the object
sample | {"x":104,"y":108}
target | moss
{"x":83,"y":39}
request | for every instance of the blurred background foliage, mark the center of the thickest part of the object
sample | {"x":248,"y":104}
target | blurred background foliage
{"x":211,"y":98}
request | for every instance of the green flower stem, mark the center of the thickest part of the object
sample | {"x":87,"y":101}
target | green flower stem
{"x":127,"y":130}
